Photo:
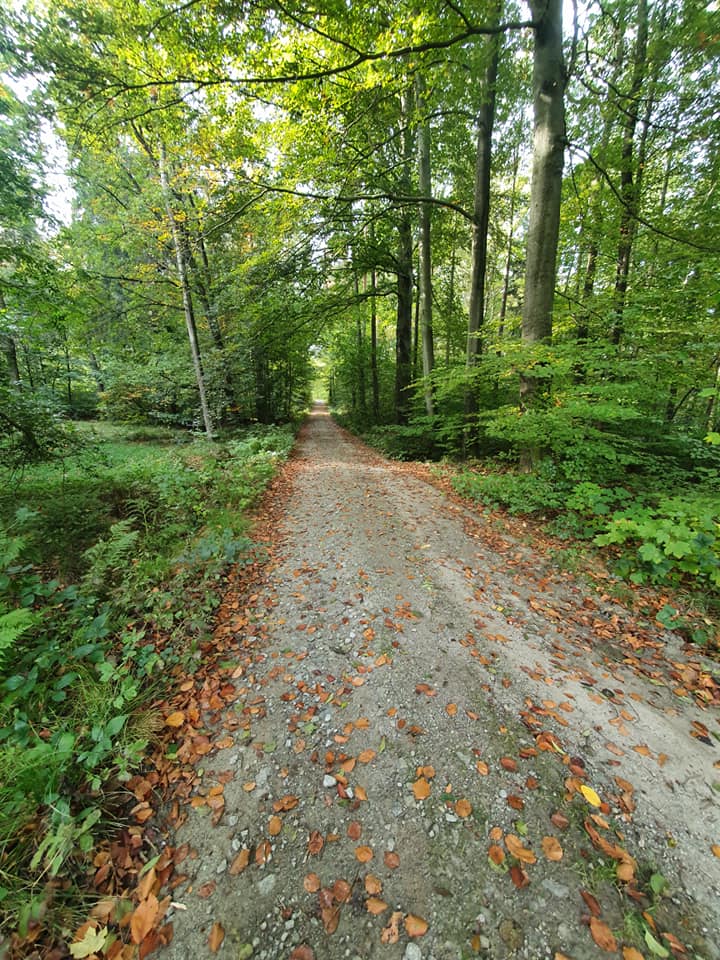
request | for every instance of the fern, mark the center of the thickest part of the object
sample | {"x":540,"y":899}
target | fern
{"x":110,"y":555}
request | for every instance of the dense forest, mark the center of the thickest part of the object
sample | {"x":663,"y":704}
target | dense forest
{"x":485,"y":232}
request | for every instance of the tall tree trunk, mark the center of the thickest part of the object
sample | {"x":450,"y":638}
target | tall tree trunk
{"x":186,"y":294}
{"x":403,"y":326}
{"x":10,"y":350}
{"x":629,"y":188}
{"x":548,"y":157}
{"x":549,"y":80}
{"x":360,"y":347}
{"x":424,"y":248}
{"x":373,"y":347}
{"x":508,"y":253}
{"x":481,"y":219}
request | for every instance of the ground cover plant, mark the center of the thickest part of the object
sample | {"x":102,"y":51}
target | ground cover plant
{"x":112,"y":563}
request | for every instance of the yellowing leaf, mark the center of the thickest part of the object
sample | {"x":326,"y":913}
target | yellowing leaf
{"x":463,"y":808}
{"x":176,"y":719}
{"x":716,"y":849}
{"x":143,"y":918}
{"x":373,"y":885}
{"x":517,"y":850}
{"x":92,"y":942}
{"x":632,"y":953}
{"x":274,"y":826}
{"x":375,"y":906}
{"x":590,"y":795}
{"x":364,"y":854}
{"x":240,"y":862}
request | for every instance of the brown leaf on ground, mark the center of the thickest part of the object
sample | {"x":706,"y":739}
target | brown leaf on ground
{"x":603,"y":935}
{"x":274,"y":826}
{"x":375,"y":906}
{"x":551,"y":848}
{"x":366,"y":756}
{"x":391,"y":859}
{"x":482,"y":768}
{"x":463,"y":808}
{"x":207,"y":889}
{"x":415,"y":926}
{"x":316,"y":842}
{"x":421,"y":789}
{"x":303,"y":952}
{"x":240,"y":862}
{"x":217,"y":935}
{"x":312,"y":883}
{"x":354,"y":830}
{"x":364,"y":854}
{"x":632,"y":953}
{"x":591,"y":903}
{"x":391,"y":933}
{"x":519,"y":876}
{"x":517,"y":850}
{"x":143,"y":918}
{"x":176,"y":719}
{"x":716,"y":849}
{"x":341,"y":891}
{"x":507,"y":763}
{"x":451,"y":709}
{"x":288,"y":802}
{"x":330,"y":917}
{"x":373,"y":885}
{"x":496,"y":854}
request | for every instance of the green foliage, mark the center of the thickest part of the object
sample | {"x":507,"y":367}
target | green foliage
{"x":79,"y":661}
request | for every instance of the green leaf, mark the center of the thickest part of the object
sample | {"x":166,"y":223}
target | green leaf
{"x":658,"y":883}
{"x":657,"y":948}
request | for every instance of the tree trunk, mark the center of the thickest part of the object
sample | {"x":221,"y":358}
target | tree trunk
{"x":373,"y":347}
{"x":424,"y":249}
{"x":403,"y":326}
{"x":508,"y":253}
{"x":186,"y":294}
{"x":481,"y":219}
{"x":10,"y":350}
{"x":629,"y":188}
{"x":545,"y":191}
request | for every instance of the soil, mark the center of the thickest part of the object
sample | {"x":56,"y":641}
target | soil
{"x":421,"y":698}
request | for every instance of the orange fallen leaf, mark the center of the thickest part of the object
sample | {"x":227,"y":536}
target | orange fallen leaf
{"x":249,"y":786}
{"x":312,"y":883}
{"x":341,"y":891}
{"x":716,"y":849}
{"x":240,"y":862}
{"x":303,"y":952}
{"x":632,"y":953}
{"x":373,"y":885}
{"x":482,"y":768}
{"x":354,"y":830}
{"x":316,"y":842}
{"x":496,"y":854}
{"x":364,"y":854}
{"x":421,"y":789}
{"x":391,"y":859}
{"x":517,"y":803}
{"x":274,"y":826}
{"x":451,"y":709}
{"x":591,"y":903}
{"x":366,"y":756}
{"x":507,"y":763}
{"x":375,"y":906}
{"x":263,"y":852}
{"x":496,"y":834}
{"x":288,"y":802}
{"x":625,"y":871}
{"x":176,"y":719}
{"x":217,"y":935}
{"x":603,"y":935}
{"x":517,"y":850}
{"x":428,"y":771}
{"x":361,"y":793}
{"x":643,"y":750}
{"x":391,"y":933}
{"x":519,"y":876}
{"x":463,"y":808}
{"x":415,"y":926}
{"x":143,"y":918}
{"x":552,"y":849}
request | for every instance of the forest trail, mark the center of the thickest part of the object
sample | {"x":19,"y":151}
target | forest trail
{"x":419,"y":719}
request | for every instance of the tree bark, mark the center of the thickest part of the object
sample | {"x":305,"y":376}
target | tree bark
{"x":481,"y":219}
{"x":186,"y":294}
{"x":545,"y":191}
{"x":424,"y":249}
{"x":403,"y":326}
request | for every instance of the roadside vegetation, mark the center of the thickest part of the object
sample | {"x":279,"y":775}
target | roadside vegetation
{"x":112,"y":563}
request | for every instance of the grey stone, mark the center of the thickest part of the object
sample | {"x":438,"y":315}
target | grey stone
{"x":267,"y":884}
{"x":412,"y":952}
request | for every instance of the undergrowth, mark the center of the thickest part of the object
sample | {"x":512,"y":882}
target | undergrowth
{"x":111,"y":564}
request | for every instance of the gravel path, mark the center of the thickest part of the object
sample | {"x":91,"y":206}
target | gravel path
{"x":425,"y":703}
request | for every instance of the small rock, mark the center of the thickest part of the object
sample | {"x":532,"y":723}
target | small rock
{"x":412,"y":952}
{"x":329,"y":781}
{"x":511,"y":934}
{"x":245,"y":951}
{"x":267,"y":884}
{"x":556,"y":889}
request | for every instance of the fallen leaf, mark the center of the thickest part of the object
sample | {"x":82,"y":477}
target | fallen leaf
{"x":207,"y":889}
{"x":632,"y":953}
{"x":482,"y":768}
{"x":716,"y":849}
{"x":590,"y":795}
{"x":364,"y":854}
{"x":143,"y":918}
{"x":361,"y":793}
{"x":496,"y":854}
{"x":373,"y":885}
{"x":517,"y":803}
{"x":92,"y":942}
{"x":274,"y":826}
{"x":519,"y":876}
{"x":341,"y":891}
{"x":240,"y":862}
{"x":316,"y":842}
{"x":451,"y":709}
{"x":591,"y":903}
{"x":552,"y":849}
{"x":366,"y":756}
{"x":288,"y":802}
{"x":375,"y":906}
{"x":303,"y":952}
{"x":463,"y":808}
{"x":217,"y":935}
{"x":559,"y":820}
{"x":415,"y":926}
{"x":603,"y":935}
{"x":625,"y":871}
{"x":312,"y":883}
{"x":391,"y":859}
{"x":391,"y":933}
{"x":421,"y":789}
{"x":176,"y":719}
{"x":507,"y":763}
{"x":354,"y":830}
{"x":263,"y":852}
{"x":517,"y":850}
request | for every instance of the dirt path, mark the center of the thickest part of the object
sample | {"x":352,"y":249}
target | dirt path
{"x":392,"y":632}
